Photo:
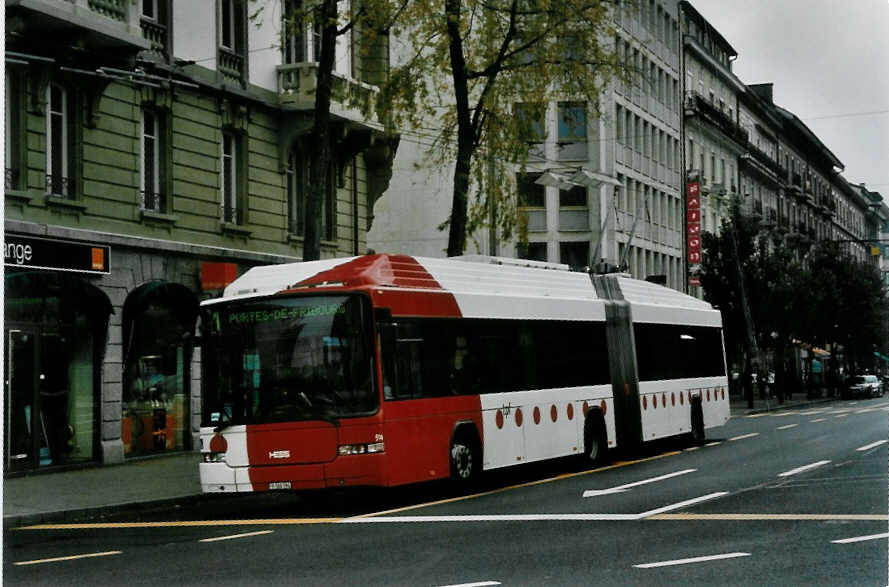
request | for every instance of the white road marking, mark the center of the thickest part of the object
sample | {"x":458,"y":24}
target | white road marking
{"x":743,"y":436}
{"x":478,"y":584}
{"x":682,"y":504}
{"x":841,"y":415}
{"x":687,"y":561}
{"x":803,"y":468}
{"x":66,"y":558}
{"x":787,"y":426}
{"x":861,"y":538}
{"x":713,"y":443}
{"x":872,"y":445}
{"x":495,"y":518}
{"x":233,"y":536}
{"x":622,"y":488}
{"x":818,"y":420}
{"x":691,"y":448}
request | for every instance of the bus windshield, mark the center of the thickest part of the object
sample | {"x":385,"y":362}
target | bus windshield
{"x":286,"y":358}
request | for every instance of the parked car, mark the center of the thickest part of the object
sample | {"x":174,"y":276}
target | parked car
{"x":866,"y":385}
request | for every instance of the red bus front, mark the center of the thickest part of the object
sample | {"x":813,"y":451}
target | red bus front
{"x":290,"y":394}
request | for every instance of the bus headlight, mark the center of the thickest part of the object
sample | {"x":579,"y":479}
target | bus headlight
{"x":360,"y":449}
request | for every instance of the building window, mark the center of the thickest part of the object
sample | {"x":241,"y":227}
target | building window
{"x":572,"y":130}
{"x":575,"y":197}
{"x":575,"y":254}
{"x":297,"y":198}
{"x":301,"y":34}
{"x":14,"y":175}
{"x":231,"y":61}
{"x":531,"y":194}
{"x":531,"y":121}
{"x":59,"y":177}
{"x":154,"y":194}
{"x":532,"y":251}
{"x":232,"y":210}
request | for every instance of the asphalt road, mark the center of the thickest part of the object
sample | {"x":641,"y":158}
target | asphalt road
{"x":796,"y":497}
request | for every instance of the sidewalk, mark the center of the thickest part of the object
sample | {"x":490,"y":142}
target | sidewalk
{"x":94,"y":491}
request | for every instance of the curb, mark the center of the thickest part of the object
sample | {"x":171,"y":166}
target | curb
{"x":83,"y":514}
{"x":776,"y":407}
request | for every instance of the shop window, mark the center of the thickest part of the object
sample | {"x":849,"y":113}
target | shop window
{"x":158,"y":321}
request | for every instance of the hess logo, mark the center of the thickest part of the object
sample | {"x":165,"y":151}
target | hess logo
{"x":279,"y":454}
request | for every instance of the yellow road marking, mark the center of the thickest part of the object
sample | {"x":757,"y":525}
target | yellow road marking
{"x":794,"y":517}
{"x":66,"y":558}
{"x":182,"y":524}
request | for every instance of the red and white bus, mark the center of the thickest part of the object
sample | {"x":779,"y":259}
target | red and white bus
{"x":388,"y":369}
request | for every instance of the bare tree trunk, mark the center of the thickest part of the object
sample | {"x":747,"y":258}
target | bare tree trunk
{"x":321,"y":155}
{"x":465,"y":133}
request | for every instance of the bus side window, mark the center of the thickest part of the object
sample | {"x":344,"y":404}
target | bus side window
{"x":401,"y":350}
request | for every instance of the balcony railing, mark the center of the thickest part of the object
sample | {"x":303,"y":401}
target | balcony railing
{"x":156,"y":34}
{"x":297,"y":83}
{"x":58,"y":185}
{"x":232,"y":215}
{"x":11,"y":179}
{"x":231,"y":65}
{"x":699,"y":103}
{"x":113,"y":9}
{"x":152,"y":201}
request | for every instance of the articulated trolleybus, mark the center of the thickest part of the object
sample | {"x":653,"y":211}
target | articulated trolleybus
{"x":387,"y":369}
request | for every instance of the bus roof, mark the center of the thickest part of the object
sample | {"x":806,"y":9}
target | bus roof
{"x":482,"y":286}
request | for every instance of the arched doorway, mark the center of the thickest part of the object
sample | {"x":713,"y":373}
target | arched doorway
{"x":158,"y":323}
{"x":55,"y":329}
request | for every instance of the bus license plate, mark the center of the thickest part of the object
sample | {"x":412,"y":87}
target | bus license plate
{"x":279,"y":485}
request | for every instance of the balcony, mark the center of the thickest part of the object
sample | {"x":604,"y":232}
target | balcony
{"x":350,"y":99}
{"x":698,"y":104}
{"x":157,"y":35}
{"x":231,"y":66}
{"x":92,"y":25}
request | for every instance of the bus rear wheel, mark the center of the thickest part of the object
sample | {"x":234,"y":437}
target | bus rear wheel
{"x":465,"y":460}
{"x":595,"y":439}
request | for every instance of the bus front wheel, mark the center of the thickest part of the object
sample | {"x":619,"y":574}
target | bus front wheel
{"x":697,"y":420}
{"x":465,"y":459}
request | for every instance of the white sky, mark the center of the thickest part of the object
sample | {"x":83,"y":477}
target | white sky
{"x":829,"y":62}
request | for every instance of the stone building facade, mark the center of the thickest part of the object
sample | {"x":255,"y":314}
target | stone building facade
{"x":155,"y":151}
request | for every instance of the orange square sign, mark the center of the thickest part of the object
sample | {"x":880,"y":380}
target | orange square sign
{"x":98,"y":259}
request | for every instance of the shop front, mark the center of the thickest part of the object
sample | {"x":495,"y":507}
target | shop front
{"x":55,"y":327}
{"x":158,"y":325}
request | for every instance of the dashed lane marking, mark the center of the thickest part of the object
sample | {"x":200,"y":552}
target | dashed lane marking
{"x":743,"y":436}
{"x":713,"y":443}
{"x":775,"y":517}
{"x":622,"y":488}
{"x":803,"y":469}
{"x":235,"y":536}
{"x":861,"y":538}
{"x":818,"y":420}
{"x":787,"y":426}
{"x":59,"y":559}
{"x":871,"y":445}
{"x":477,"y":584}
{"x":689,"y":561}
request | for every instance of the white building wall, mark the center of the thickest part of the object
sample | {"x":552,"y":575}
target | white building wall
{"x":195,"y":43}
{"x":264,"y":44}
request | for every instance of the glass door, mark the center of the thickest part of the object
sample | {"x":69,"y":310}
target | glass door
{"x":22,"y":414}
